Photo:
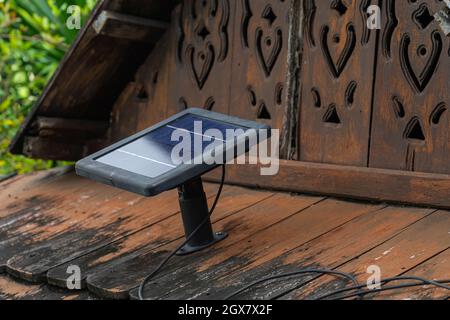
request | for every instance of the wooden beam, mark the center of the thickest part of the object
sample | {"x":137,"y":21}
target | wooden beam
{"x":48,"y":149}
{"x":68,"y":128}
{"x":123,"y":26}
{"x":422,"y":189}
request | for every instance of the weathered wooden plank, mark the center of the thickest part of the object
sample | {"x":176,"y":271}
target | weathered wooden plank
{"x":166,"y":231}
{"x":47,"y":216}
{"x":437,"y":268}
{"x":95,"y":219}
{"x":369,"y":227}
{"x":414,"y":188}
{"x":407,"y":250}
{"x":116,"y":281}
{"x":50,"y":149}
{"x":11,"y":289}
{"x":123,"y":26}
{"x":13,"y":188}
{"x":210,"y":274}
{"x":69,"y":129}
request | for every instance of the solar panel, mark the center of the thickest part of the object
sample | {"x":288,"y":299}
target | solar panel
{"x":151,"y":155}
{"x":144,"y":164}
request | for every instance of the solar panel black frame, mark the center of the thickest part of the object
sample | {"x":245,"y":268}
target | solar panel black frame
{"x":90,"y":168}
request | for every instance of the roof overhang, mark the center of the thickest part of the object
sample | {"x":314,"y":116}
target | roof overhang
{"x":115,"y":41}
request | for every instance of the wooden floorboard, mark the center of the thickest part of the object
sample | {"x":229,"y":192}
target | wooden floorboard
{"x":12,"y":289}
{"x":409,"y":249}
{"x":436,"y":268}
{"x":33,"y":217}
{"x":232,"y":200}
{"x":213,"y":275}
{"x":120,"y":278}
{"x":324,"y":252}
{"x":71,"y":222}
{"x":52,"y":220}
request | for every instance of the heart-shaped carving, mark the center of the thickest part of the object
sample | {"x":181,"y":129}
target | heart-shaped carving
{"x":338,"y":67}
{"x":420,"y":82}
{"x":201,"y":64}
{"x":269,"y":50}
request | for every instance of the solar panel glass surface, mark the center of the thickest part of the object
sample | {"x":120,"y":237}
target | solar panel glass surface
{"x":151,"y":154}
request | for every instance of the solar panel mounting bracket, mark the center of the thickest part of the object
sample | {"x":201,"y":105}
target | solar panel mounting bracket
{"x":194,"y":211}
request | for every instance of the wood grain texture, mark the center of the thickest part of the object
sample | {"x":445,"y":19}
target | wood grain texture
{"x":123,"y":26}
{"x":201,"y":55}
{"x":50,"y":223}
{"x":150,"y":238}
{"x":77,"y":229}
{"x":73,"y":129}
{"x":121,"y":277}
{"x":435,"y":268}
{"x":11,"y":289}
{"x":371,"y":225}
{"x":329,"y":250}
{"x":399,"y":255}
{"x":68,"y":216}
{"x":145,"y":101}
{"x":411,"y":119}
{"x":47,"y":216}
{"x":213,"y":275}
{"x":260,"y":55}
{"x":421,"y":189}
{"x":336,"y":83}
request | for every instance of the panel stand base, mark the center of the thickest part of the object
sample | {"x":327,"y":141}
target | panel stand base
{"x":194,"y":211}
{"x":188,"y":249}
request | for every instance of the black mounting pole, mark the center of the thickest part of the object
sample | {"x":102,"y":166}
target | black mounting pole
{"x":194,"y":211}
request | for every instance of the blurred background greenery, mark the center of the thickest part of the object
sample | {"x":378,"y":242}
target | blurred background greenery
{"x":33,"y":40}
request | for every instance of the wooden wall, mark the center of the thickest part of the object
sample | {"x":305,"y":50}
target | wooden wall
{"x":223,"y":55}
{"x":361,"y":97}
{"x":350,"y":102}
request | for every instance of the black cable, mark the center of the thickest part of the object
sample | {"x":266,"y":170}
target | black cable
{"x":360,"y":294}
{"x":292,"y":274}
{"x":438,"y":284}
{"x":391,"y":288}
{"x":174,"y":252}
{"x":386,"y":281}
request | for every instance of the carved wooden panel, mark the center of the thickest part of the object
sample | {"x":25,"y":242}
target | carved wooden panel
{"x":221,"y":55}
{"x":336,"y":82}
{"x":411,"y":119}
{"x":260,"y":55}
{"x":202,"y":55}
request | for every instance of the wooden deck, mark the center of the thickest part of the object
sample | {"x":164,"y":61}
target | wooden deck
{"x":51,"y":220}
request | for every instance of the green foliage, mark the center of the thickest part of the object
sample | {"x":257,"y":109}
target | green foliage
{"x":33,"y":39}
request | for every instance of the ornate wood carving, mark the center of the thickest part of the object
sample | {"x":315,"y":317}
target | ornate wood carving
{"x":202,"y":55}
{"x":336,"y":82}
{"x":259,"y":72}
{"x":220,"y":55}
{"x":412,"y":97}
